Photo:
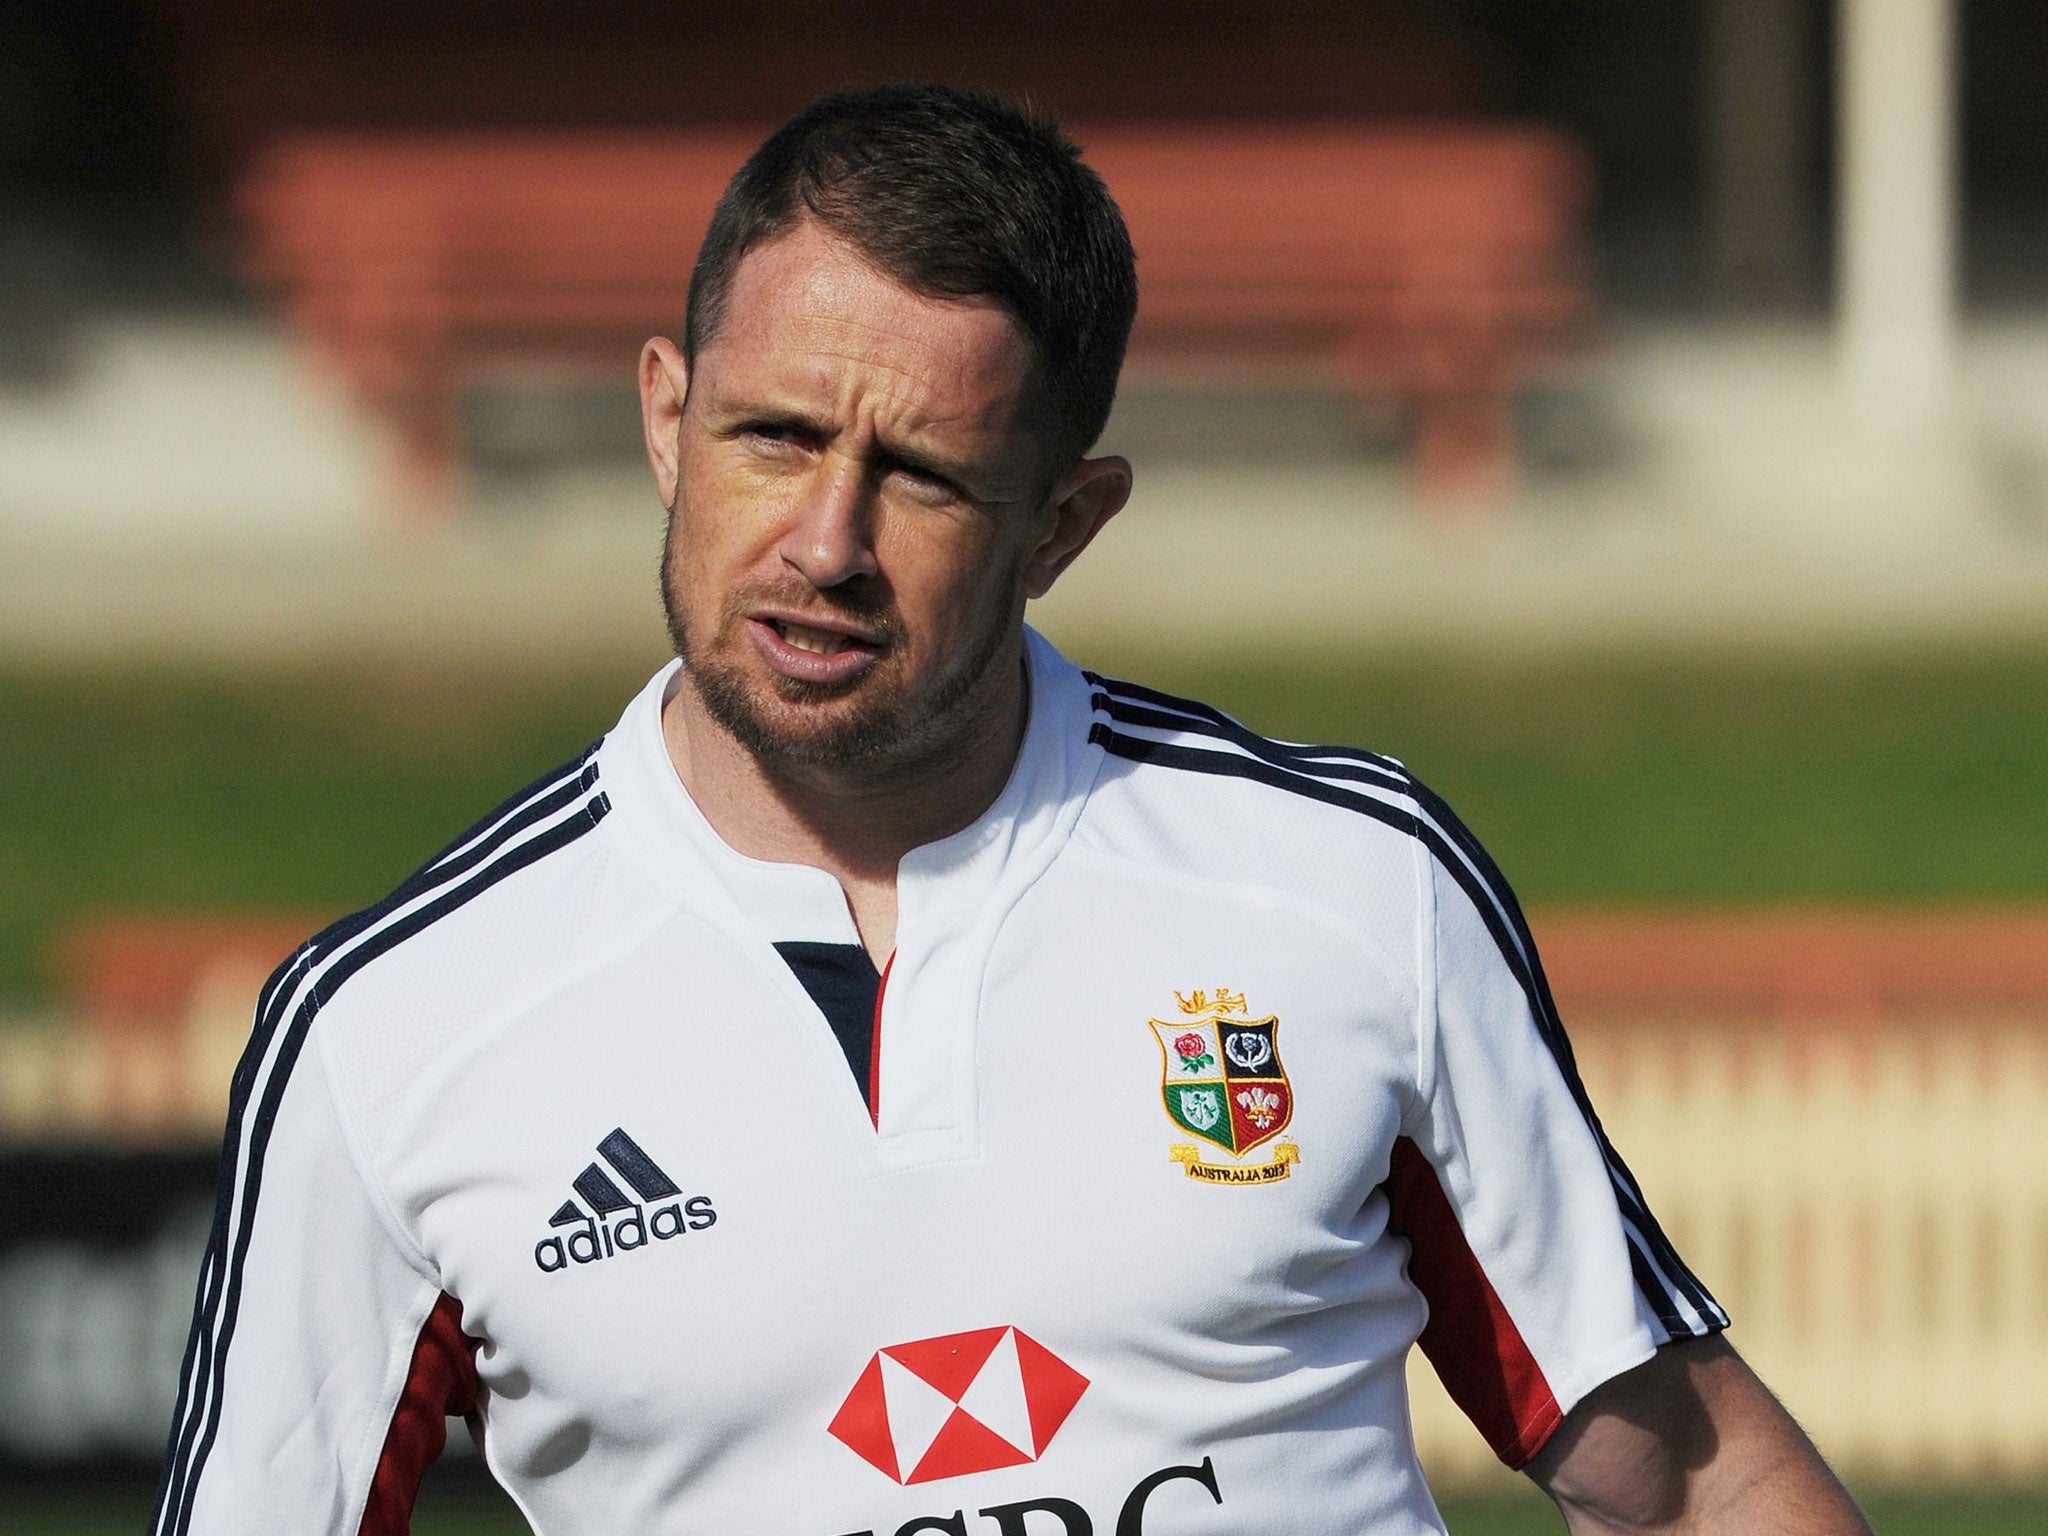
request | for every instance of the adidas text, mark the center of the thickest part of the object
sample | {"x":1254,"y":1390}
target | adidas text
{"x":595,"y":1241}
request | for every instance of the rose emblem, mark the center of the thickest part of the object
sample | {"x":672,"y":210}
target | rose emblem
{"x":1193,"y":1050}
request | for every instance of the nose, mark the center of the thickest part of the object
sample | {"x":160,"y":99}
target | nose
{"x":830,"y":540}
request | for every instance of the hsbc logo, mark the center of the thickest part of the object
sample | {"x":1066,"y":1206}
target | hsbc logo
{"x":959,"y":1403}
{"x":974,"y":1402}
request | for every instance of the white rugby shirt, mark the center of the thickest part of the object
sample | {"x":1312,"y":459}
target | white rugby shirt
{"x":1210,"y":1073}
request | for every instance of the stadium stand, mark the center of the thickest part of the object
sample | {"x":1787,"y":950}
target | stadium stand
{"x":1794,"y":966}
{"x":1441,"y":266}
{"x":165,"y":1002}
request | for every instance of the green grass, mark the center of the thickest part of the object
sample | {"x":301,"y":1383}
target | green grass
{"x":302,"y":792}
{"x":1506,"y":1505}
{"x":1686,"y":779}
{"x":1617,"y":778}
{"x":484,"y":1512}
{"x":1891,"y":1514}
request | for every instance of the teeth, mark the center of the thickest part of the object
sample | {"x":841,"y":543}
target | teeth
{"x":818,"y":641}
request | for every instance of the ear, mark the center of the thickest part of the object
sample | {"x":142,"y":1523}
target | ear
{"x":664,"y":386}
{"x":1086,"y":497}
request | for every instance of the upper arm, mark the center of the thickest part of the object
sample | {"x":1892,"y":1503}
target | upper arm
{"x":1545,"y":1273}
{"x":316,"y":1334}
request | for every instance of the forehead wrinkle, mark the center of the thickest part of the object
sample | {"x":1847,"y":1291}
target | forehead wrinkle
{"x":900,"y":406}
{"x":813,"y":329}
{"x":948,"y":373}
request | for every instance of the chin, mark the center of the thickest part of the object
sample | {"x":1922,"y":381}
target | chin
{"x":802,"y":725}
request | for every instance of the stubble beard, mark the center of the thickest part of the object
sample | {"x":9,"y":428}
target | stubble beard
{"x":886,"y":734}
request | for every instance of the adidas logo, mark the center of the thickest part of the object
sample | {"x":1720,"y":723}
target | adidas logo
{"x":615,"y":1223}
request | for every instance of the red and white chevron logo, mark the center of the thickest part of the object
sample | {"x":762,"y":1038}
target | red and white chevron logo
{"x":964,"y":1402}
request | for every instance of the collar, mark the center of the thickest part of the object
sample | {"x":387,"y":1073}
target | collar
{"x":943,"y":887}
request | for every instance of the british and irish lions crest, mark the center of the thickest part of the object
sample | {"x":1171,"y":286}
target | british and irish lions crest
{"x":1222,"y":1082}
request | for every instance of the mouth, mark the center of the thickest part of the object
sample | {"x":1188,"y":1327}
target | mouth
{"x":812,"y":652}
{"x":805,"y":637}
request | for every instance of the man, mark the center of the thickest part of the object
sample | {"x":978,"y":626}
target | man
{"x":899,"y":1083}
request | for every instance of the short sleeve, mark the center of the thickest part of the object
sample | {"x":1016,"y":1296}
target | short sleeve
{"x":1544,"y":1270}
{"x":323,"y":1356}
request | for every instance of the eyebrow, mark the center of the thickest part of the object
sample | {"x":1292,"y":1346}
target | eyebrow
{"x":955,"y":473}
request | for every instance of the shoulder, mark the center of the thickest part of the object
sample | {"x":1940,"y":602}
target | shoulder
{"x":1189,"y":755}
{"x":1202,"y":789}
{"x":496,"y":917}
{"x":508,"y":867}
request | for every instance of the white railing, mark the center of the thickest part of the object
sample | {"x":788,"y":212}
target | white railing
{"x":1841,"y":1119}
{"x":1869,"y":1198}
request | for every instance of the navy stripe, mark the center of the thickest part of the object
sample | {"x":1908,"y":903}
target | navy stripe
{"x":523,"y":810}
{"x":636,"y":1167}
{"x":215,"y":1326}
{"x":202,"y":1307}
{"x":199,"y":1347}
{"x":568,"y":1214}
{"x":1280,"y":753}
{"x":1459,"y":854}
{"x":598,"y":1190}
{"x":582,"y":770}
{"x":318,"y":994}
{"x":844,"y":985}
{"x":1652,"y":1289}
{"x":1551,"y":1025}
{"x":1534,"y":990}
{"x":1235,"y":730}
{"x":1522,"y":957}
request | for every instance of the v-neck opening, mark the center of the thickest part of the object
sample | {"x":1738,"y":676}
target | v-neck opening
{"x":953,"y":897}
{"x":842,"y":981}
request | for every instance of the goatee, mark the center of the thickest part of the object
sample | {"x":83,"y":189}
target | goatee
{"x":878,"y":729}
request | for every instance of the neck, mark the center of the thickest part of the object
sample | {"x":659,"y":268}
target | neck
{"x":854,"y":821}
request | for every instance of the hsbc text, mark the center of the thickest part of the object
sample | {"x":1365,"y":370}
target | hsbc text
{"x":1010,"y":1519}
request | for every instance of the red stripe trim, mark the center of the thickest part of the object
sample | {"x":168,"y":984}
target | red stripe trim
{"x":1478,"y":1352}
{"x":875,"y":1045}
{"x":440,"y":1382}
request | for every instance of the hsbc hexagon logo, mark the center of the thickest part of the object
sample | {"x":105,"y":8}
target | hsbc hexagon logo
{"x":959,"y":1403}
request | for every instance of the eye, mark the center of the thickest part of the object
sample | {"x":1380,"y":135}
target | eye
{"x":925,"y":483}
{"x":775,"y":436}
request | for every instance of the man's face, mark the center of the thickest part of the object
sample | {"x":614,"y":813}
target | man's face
{"x":860,"y":507}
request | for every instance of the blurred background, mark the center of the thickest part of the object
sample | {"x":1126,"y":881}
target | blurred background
{"x":1632,"y":413}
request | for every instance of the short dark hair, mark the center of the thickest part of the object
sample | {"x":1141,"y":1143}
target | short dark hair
{"x":953,"y":193}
